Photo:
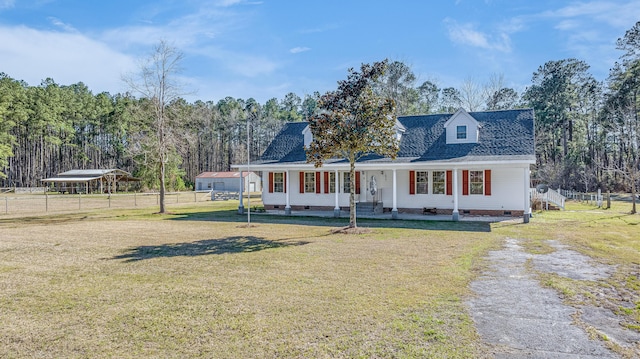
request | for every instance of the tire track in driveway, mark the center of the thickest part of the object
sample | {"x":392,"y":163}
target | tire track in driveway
{"x":519,"y":318}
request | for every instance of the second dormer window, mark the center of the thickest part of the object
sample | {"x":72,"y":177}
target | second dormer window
{"x":461,"y":132}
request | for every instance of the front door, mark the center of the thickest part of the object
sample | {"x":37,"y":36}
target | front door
{"x":372,"y":187}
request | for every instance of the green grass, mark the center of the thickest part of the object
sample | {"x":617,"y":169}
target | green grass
{"x":199,"y":283}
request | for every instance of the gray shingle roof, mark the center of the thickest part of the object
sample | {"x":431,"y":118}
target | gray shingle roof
{"x":288,"y":145}
{"x":503,"y":134}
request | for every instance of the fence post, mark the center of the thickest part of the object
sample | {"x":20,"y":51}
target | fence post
{"x":6,"y":204}
{"x":46,"y":202}
{"x":135,"y":199}
{"x":195,"y":196}
{"x":79,"y":200}
{"x":109,"y":200}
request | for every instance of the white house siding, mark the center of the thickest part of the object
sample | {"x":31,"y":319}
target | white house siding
{"x":420,"y":201}
{"x":507,"y":192}
{"x":297,"y":199}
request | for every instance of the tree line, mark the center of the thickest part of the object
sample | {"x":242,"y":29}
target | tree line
{"x":587,"y":131}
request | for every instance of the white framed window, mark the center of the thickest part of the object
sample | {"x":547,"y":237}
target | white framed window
{"x":309,"y":182}
{"x":439,"y":182}
{"x":332,"y":182}
{"x":461,"y":132}
{"x":422,"y":182}
{"x":476,"y":182}
{"x":278,"y":182}
{"x":346,"y":182}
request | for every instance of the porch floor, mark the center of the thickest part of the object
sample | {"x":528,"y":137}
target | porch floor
{"x":401,"y":216}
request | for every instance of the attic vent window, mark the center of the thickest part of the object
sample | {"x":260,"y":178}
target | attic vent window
{"x":461,"y":132}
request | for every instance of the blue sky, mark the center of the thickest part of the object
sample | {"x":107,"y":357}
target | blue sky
{"x":268,"y":48}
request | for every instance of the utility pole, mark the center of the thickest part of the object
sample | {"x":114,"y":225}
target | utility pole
{"x":248,"y":174}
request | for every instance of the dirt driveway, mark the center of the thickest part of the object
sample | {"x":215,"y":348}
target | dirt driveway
{"x":519,"y":318}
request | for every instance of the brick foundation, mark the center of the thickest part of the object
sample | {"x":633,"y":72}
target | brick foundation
{"x":426,"y":211}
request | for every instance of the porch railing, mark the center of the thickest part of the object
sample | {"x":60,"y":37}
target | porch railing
{"x":550,"y":196}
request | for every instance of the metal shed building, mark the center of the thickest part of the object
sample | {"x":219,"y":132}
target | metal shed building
{"x":90,"y":181}
{"x":227,"y":181}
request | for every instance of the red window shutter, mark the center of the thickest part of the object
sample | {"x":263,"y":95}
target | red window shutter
{"x":465,"y":182}
{"x":412,"y":182}
{"x":284,"y":182}
{"x":326,"y":182}
{"x":487,"y":182}
{"x":270,"y":182}
{"x":301,"y":182}
{"x":449,"y":183}
{"x":357,"y":182}
{"x":317,"y":182}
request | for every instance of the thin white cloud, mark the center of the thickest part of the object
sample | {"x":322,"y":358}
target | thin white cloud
{"x":297,"y":50}
{"x":614,"y":14}
{"x":319,"y":29}
{"x":590,"y":28}
{"x":200,"y":33}
{"x":66,"y":27}
{"x":244,"y":64}
{"x":7,"y":4}
{"x":68,"y":58}
{"x":227,"y":3}
{"x":190,"y":30}
{"x":466,"y":34}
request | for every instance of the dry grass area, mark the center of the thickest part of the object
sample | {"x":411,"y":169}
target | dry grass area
{"x":20,"y":205}
{"x":198,"y":283}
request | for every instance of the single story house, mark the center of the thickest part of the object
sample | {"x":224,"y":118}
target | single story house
{"x":475,"y":163}
{"x":90,"y":181}
{"x":228,"y":182}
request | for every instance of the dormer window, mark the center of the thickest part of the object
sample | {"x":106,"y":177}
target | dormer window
{"x":400,"y":129}
{"x":461,"y":132}
{"x":461,"y":127}
{"x":308,"y":136}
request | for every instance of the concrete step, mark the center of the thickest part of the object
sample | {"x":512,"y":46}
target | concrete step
{"x":369,"y":208}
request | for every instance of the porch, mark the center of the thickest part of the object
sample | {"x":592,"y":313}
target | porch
{"x":387,"y":215}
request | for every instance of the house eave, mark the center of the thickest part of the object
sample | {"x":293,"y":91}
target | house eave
{"x":404,"y":163}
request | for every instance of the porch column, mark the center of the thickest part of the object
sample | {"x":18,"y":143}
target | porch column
{"x":456,"y":215}
{"x":241,"y":205}
{"x":527,"y":189}
{"x":394,"y":210}
{"x":336,"y":209}
{"x":287,"y":207}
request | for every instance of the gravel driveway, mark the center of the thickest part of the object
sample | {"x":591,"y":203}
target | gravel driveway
{"x":519,"y":318}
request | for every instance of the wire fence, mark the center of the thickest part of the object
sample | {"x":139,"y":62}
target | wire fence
{"x":591,"y":198}
{"x":11,"y":203}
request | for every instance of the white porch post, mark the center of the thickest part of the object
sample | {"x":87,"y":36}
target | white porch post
{"x":394,"y":210}
{"x":241,"y":205}
{"x":336,"y":186}
{"x":527,"y":203}
{"x":287,"y":207}
{"x":456,"y":215}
